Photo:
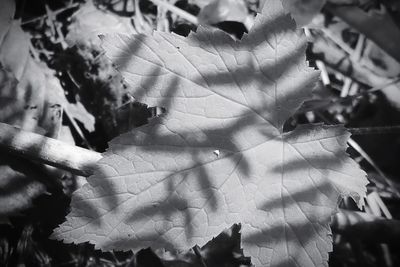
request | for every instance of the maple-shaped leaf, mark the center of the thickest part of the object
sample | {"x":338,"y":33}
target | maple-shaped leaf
{"x":220,"y":155}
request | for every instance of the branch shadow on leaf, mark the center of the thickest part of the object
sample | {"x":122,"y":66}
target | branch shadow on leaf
{"x":301,"y":196}
{"x":198,"y":146}
{"x":167,"y":207}
{"x":297,"y":235}
{"x":289,"y":244}
{"x":123,"y":59}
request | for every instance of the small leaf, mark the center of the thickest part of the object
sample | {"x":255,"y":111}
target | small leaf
{"x":162,"y":185}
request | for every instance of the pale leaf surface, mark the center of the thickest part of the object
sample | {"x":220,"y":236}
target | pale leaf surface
{"x":220,"y":155}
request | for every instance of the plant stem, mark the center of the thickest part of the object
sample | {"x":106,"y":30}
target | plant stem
{"x":46,"y":150}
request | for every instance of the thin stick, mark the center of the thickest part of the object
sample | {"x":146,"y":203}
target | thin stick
{"x":340,"y":61}
{"x":324,"y":73}
{"x":371,"y":90}
{"x":182,"y":13}
{"x":54,"y":13}
{"x":46,"y":150}
{"x":375,"y":130}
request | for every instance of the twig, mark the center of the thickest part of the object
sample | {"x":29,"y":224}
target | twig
{"x":54,"y":13}
{"x":324,"y":73}
{"x":378,"y":27}
{"x":338,"y":59}
{"x":346,"y":87}
{"x":46,"y":150}
{"x":371,"y":90}
{"x":376,"y":205}
{"x":182,"y":13}
{"x":375,"y":130}
{"x":162,"y":21}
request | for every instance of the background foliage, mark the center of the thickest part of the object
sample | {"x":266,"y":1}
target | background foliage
{"x":90,"y":104}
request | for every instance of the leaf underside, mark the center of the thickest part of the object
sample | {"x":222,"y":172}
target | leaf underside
{"x":219,"y":156}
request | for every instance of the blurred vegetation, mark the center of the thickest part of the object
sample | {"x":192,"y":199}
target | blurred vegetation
{"x":354,"y":43}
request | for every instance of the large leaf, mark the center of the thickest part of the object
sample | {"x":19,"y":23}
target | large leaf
{"x":220,"y":155}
